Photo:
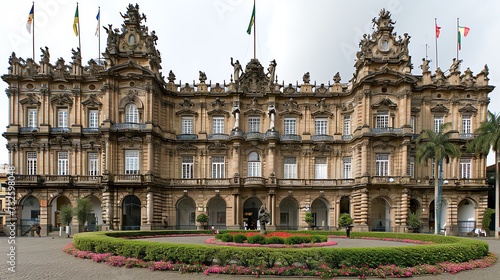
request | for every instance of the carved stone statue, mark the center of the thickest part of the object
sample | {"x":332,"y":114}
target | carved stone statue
{"x":203,"y":77}
{"x":306,"y":78}
{"x":336,"y":78}
{"x":425,"y":65}
{"x":77,"y":57}
{"x":264,"y":218}
{"x":237,"y":68}
{"x":486,"y":70}
{"x":271,"y":71}
{"x":45,"y":55}
{"x":455,"y":65}
{"x":171,"y":77}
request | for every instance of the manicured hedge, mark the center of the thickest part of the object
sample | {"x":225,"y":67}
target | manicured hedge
{"x":446,"y":248}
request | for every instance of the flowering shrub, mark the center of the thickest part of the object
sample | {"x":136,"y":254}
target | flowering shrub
{"x":323,"y":270}
{"x":202,"y":218}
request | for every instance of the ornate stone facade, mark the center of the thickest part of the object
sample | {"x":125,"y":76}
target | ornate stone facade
{"x":153,"y":154}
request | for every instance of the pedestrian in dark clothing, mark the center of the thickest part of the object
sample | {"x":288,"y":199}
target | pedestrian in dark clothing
{"x":38,"y":229}
{"x":348,"y":231}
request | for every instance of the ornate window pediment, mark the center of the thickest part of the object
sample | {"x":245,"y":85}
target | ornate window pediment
{"x":186,"y":148}
{"x":187,"y":108}
{"x":468,"y":109}
{"x":323,"y":109}
{"x":291,"y":107}
{"x":254,"y":108}
{"x":440,"y":109}
{"x":61,"y":99}
{"x":217,"y":148}
{"x":218,"y":108}
{"x":385,"y":103}
{"x":30,"y":99}
{"x":92,"y":101}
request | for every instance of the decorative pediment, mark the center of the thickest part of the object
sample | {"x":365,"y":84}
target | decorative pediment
{"x":415,"y":110}
{"x":91,"y":143}
{"x":468,"y":109}
{"x":217,"y":147}
{"x":29,"y":142}
{"x":289,"y":90}
{"x":321,"y":90}
{"x":30,"y":99}
{"x":254,"y":108}
{"x":92,"y":101}
{"x":218,"y":107}
{"x":288,"y":149}
{"x":254,"y":80}
{"x":62,"y":98}
{"x":187,"y":108}
{"x":383,"y":146}
{"x":385,"y":103}
{"x":321,"y":149}
{"x":130,"y":140}
{"x":186,"y":147}
{"x":440,"y":109}
{"x":217,"y":89}
{"x":347,"y":108}
{"x":323,"y":109}
{"x":186,"y":103}
{"x":291,"y":107}
{"x":187,"y":89}
{"x":60,"y":141}
{"x":186,"y":112}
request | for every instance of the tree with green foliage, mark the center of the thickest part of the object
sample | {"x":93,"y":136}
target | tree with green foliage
{"x":488,"y":138}
{"x":309,"y":218}
{"x":436,"y":146}
{"x":487,"y":220}
{"x":345,"y":220}
{"x":65,"y":215}
{"x":83,"y":210}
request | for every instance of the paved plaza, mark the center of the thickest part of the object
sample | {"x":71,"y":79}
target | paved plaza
{"x":43,"y":258}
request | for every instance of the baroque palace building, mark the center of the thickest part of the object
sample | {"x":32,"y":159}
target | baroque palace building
{"x":154,"y":154}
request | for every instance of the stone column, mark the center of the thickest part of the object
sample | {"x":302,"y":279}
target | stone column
{"x":404,"y":207}
{"x":364,"y":207}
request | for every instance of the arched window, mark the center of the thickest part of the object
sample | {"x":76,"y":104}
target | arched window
{"x":131,"y":113}
{"x":253,"y":165}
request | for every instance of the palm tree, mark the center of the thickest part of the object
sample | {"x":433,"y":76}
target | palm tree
{"x":488,"y":137}
{"x":436,"y":146}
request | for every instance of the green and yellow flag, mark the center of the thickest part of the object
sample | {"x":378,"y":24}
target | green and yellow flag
{"x":252,"y":21}
{"x":76,"y":22}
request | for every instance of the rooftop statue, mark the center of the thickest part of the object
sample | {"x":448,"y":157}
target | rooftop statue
{"x":237,"y":69}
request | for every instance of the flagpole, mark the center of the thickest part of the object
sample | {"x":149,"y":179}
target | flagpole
{"x":458,"y":37}
{"x":33,"y":33}
{"x":99,"y":35}
{"x":436,"y":37}
{"x":254,"y":31}
{"x":79,"y":31}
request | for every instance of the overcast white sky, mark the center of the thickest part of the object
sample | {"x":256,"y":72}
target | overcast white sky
{"x":316,"y":36}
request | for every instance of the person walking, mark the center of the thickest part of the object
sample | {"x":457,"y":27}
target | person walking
{"x":38,"y":229}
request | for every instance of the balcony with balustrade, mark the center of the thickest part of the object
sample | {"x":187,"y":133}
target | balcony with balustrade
{"x":126,"y":179}
{"x":322,"y":138}
{"x":122,"y":127}
{"x":290,"y":138}
{"x":91,"y":130}
{"x":253,"y":136}
{"x":186,"y":137}
{"x":60,"y":130}
{"x":218,"y":137}
{"x":29,"y":129}
{"x":386,"y":130}
{"x":254,"y":182}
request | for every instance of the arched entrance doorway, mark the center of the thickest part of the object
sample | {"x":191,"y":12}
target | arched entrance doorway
{"x":466,"y":216}
{"x":186,"y":211}
{"x":57,"y":203}
{"x":95,"y":217}
{"x":131,"y":218}
{"x":30,"y":214}
{"x":251,"y":212}
{"x":320,"y":213}
{"x":345,"y":205}
{"x":432,"y":217}
{"x":289,"y":214}
{"x":380,"y":218}
{"x":216,"y":210}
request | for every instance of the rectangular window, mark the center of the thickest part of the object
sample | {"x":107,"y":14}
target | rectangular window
{"x":320,"y":168}
{"x":412,"y":124}
{"x":253,"y":124}
{"x":254,"y":169}
{"x":411,"y":167}
{"x":320,"y":125}
{"x":187,"y":125}
{"x":347,"y":125}
{"x":31,"y":162}
{"x":93,"y":161}
{"x":382,"y":119}
{"x":218,"y":167}
{"x":290,"y":168}
{"x":382,"y":165}
{"x":62,"y":163}
{"x":347,"y":168}
{"x":131,"y":162}
{"x":218,"y":125}
{"x":465,"y":168}
{"x":62,"y":118}
{"x":289,"y":126}
{"x":32,"y":118}
{"x":187,"y":167}
{"x":93,"y":118}
{"x":438,"y":122}
{"x":466,"y":124}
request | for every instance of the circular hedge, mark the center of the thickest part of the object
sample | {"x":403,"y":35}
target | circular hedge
{"x":443,"y":249}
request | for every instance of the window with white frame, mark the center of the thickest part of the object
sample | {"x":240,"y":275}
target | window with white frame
{"x":253,"y":124}
{"x":412,"y":124}
{"x":347,"y":125}
{"x":187,"y":125}
{"x":218,"y":167}
{"x":131,"y":113}
{"x":218,"y":125}
{"x":93,"y":164}
{"x":466,"y":124}
{"x":131,"y":162}
{"x":465,"y":168}
{"x":32,"y":117}
{"x":438,"y":122}
{"x":93,"y":118}
{"x":187,"y":167}
{"x":411,"y":167}
{"x":290,"y":168}
{"x":320,"y":126}
{"x":347,"y":167}
{"x":31,"y":163}
{"x":320,"y":168}
{"x":253,"y":165}
{"x":382,"y":119}
{"x":382,"y":165}
{"x":62,"y":117}
{"x":289,"y":126}
{"x":62,"y":163}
